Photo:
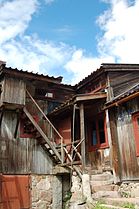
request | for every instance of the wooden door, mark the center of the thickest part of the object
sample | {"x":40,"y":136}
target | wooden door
{"x":15,"y":192}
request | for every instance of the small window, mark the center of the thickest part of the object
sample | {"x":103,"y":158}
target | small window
{"x":135,"y":120}
{"x":26,"y":127}
{"x":98,"y":133}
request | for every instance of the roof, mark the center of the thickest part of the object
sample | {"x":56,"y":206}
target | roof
{"x":31,"y":76}
{"x":130,"y":94}
{"x":16,"y":72}
{"x":107,"y":67}
{"x":2,"y":63}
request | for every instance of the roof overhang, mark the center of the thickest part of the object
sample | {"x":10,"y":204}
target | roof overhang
{"x":79,"y":98}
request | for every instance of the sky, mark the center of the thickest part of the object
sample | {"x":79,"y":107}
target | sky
{"x":69,"y":38}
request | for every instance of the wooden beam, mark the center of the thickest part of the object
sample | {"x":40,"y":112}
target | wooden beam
{"x":84,"y":97}
{"x":82,"y":135}
{"x":42,"y":134}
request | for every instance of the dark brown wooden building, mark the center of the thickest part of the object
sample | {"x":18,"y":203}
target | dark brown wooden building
{"x":103,"y":115}
{"x":47,"y":127}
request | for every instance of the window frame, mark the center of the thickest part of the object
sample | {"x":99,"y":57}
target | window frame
{"x":135,"y":116}
{"x":99,"y":145}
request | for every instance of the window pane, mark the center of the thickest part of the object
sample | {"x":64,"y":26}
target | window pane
{"x":94,"y":135}
{"x":101,"y":130}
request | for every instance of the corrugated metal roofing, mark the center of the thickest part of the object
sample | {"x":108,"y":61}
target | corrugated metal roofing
{"x":34,"y":74}
{"x":38,"y":76}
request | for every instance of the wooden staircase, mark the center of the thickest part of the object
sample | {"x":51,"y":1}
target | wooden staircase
{"x":59,"y":153}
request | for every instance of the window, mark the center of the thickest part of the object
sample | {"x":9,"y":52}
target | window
{"x":98,"y":133}
{"x":135,"y":120}
{"x":26,"y":127}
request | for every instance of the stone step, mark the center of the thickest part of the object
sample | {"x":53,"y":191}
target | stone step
{"x":111,"y":187}
{"x":105,"y":194}
{"x":120,"y":201}
{"x":112,"y":206}
{"x":101,"y":183}
{"x":101,"y":177}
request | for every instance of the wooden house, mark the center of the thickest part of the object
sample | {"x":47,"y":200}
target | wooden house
{"x":28,"y":151}
{"x":48,"y":128}
{"x":102,"y":119}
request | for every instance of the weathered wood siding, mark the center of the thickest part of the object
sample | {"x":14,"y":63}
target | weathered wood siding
{"x":13,"y":91}
{"x":20,"y":155}
{"x":127,"y":160}
{"x":64,"y":128}
{"x":98,"y":159}
{"x":120,"y":82}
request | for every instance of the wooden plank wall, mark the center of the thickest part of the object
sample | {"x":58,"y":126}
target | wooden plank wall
{"x":99,"y":159}
{"x":13,"y":91}
{"x":120,"y":82}
{"x":129,"y":163}
{"x":20,"y":155}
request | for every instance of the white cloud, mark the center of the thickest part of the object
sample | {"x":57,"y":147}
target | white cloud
{"x":119,"y":41}
{"x":121,"y":31}
{"x":15,"y":17}
{"x":82,"y":65}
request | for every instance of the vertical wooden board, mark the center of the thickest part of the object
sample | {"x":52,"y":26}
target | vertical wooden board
{"x":64,"y":128}
{"x":128,"y":157}
{"x":41,"y":162}
{"x":8,"y":125}
{"x":116,"y":161}
{"x":14,"y":91}
{"x":15,"y":192}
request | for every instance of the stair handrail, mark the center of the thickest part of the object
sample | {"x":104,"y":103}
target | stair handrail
{"x":61,"y":138}
{"x":44,"y":114}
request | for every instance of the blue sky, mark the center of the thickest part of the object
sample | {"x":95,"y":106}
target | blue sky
{"x":69,"y":21}
{"x":68,"y":37}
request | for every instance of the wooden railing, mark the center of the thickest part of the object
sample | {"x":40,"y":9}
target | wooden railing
{"x":52,"y":128}
{"x":66,"y":156}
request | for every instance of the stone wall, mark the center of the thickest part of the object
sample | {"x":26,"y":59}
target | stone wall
{"x":49,"y":191}
{"x":129,"y":189}
{"x":41,"y":193}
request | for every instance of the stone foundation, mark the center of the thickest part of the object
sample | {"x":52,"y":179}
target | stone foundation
{"x":53,"y":191}
{"x":49,"y":191}
{"x":41,"y":193}
{"x":129,"y":190}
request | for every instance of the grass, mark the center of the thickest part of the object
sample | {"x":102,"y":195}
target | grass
{"x":99,"y":206}
{"x":128,"y":205}
{"x":125,"y":205}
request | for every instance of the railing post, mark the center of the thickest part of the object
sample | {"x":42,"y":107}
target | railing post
{"x":82,"y":134}
{"x":62,"y":151}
